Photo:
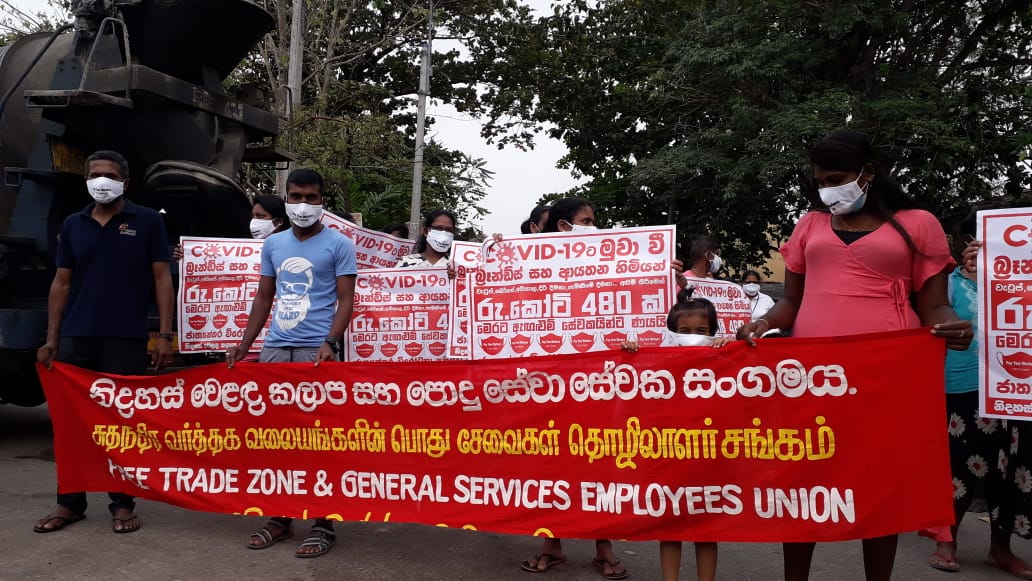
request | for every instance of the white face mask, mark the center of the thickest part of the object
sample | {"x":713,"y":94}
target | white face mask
{"x":844,"y":199}
{"x":105,"y":190}
{"x":581,"y":227}
{"x":715,"y":264}
{"x":684,"y":340}
{"x":751,"y":288}
{"x":440,"y":240}
{"x":261,"y":229}
{"x":304,"y":215}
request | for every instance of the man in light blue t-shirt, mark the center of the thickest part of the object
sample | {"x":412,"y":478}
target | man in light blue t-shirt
{"x":310,"y":271}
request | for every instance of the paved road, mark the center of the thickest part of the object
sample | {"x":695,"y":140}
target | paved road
{"x":179,"y":544}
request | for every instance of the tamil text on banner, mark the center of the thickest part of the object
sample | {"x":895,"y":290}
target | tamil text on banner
{"x":372,"y":249}
{"x":218,"y":278}
{"x":728,"y":298}
{"x":465,"y":257}
{"x":781,"y":442}
{"x":572,"y":293}
{"x":400,"y":314}
{"x":1004,"y":332}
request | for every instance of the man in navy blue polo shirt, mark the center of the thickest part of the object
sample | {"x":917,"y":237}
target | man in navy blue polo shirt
{"x":112,"y":259}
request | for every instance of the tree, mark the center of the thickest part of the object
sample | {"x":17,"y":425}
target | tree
{"x":701,"y":113}
{"x":356,"y":123}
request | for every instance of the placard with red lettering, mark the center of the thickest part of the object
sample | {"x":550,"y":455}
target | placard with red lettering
{"x":572,"y":292}
{"x":728,"y":298}
{"x":400,"y":314}
{"x":218,"y":278}
{"x":373,"y":249}
{"x":465,"y":257}
{"x":778,"y":442}
{"x":1004,"y":333}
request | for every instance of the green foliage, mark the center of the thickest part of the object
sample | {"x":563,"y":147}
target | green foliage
{"x":357,"y":120}
{"x":17,"y":20}
{"x":701,"y":113}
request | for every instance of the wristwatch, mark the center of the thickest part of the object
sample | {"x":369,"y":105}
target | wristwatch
{"x":166,"y":336}
{"x":334,"y":343}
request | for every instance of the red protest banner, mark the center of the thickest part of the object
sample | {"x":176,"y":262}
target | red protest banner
{"x":400,"y":315}
{"x":782,"y":442}
{"x":572,"y":293}
{"x":218,"y":279}
{"x":1005,"y":313}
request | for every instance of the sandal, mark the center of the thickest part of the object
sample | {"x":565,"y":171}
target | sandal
{"x":129,"y":524}
{"x":944,"y":562}
{"x":532,"y":565}
{"x":321,"y":538}
{"x":266,"y":538}
{"x":600,"y":564}
{"x":60,"y":522}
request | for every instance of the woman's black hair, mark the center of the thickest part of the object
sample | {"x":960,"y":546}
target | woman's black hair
{"x":563,"y":211}
{"x":686,"y":304}
{"x":749,"y":273}
{"x":421,"y":245}
{"x":852,"y":151}
{"x":276,"y":208}
{"x":400,"y":227}
{"x":538,"y":211}
{"x":525,"y":227}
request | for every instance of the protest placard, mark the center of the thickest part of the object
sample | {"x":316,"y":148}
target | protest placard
{"x":1004,"y":333}
{"x":400,"y":314}
{"x":728,"y":298}
{"x":773,"y":443}
{"x":465,"y":257}
{"x":373,"y":249}
{"x":218,"y":279}
{"x":572,"y":292}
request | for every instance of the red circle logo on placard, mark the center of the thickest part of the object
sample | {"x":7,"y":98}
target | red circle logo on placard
{"x":582,"y":342}
{"x":520,"y":343}
{"x":492,"y":345}
{"x":551,"y":342}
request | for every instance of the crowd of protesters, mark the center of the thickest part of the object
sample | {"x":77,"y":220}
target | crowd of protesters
{"x":865,"y":259}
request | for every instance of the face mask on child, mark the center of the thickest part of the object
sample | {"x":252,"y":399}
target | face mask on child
{"x":684,"y":340}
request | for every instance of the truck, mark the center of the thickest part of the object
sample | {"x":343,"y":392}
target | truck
{"x":145,"y":78}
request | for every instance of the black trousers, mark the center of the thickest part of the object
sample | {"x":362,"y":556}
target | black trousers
{"x":118,"y":355}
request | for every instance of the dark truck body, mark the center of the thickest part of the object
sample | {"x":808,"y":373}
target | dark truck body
{"x":140,"y":77}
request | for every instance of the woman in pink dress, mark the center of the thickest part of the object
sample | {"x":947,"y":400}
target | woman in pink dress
{"x":865,"y":261}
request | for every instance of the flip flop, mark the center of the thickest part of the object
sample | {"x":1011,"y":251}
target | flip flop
{"x":551,"y":562}
{"x":600,"y":564}
{"x":268,"y":538}
{"x":125,"y":521}
{"x":1016,"y":568}
{"x":944,"y":562}
{"x":62,"y":522}
{"x":320,"y":538}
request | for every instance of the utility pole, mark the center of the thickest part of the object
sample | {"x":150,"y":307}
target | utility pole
{"x":295,"y":59}
{"x":424,"y":92}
